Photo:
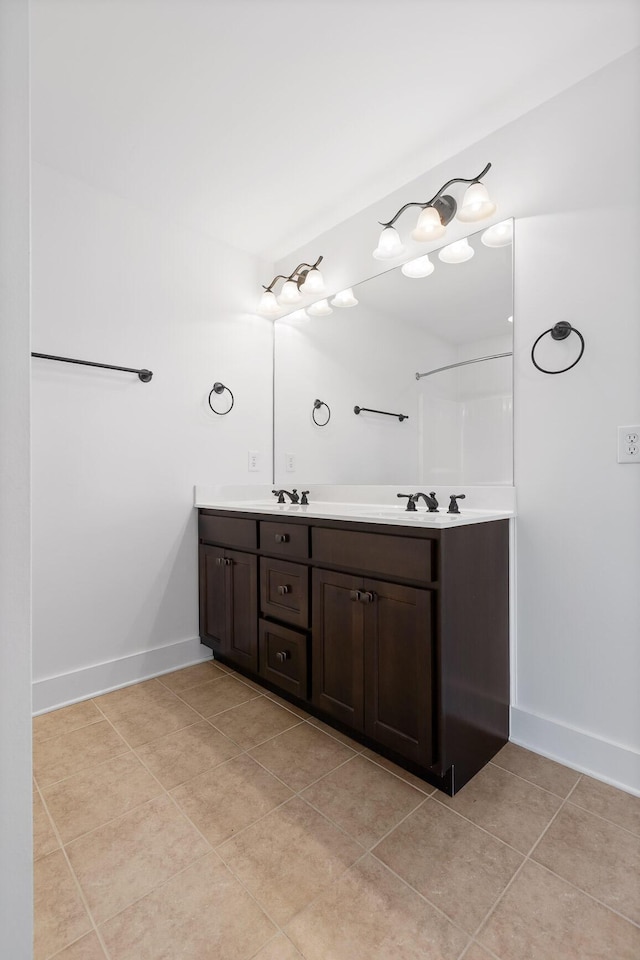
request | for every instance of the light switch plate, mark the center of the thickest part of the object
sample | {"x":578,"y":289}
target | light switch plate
{"x":629,"y":444}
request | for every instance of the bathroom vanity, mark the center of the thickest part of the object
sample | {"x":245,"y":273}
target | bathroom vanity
{"x":391,"y":627}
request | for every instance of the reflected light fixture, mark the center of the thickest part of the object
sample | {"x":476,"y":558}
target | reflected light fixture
{"x":436,"y":213}
{"x":320,"y":308}
{"x":499,"y":235}
{"x":305,"y":279}
{"x":457,"y":252}
{"x":416,"y":269}
{"x":344,"y":299}
{"x":510,"y":319}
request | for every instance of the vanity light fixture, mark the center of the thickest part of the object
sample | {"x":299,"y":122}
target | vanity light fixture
{"x":344,"y":299}
{"x":436,"y":213}
{"x":499,"y":235}
{"x":320,"y":308}
{"x":457,"y":252}
{"x":416,"y":269}
{"x":305,"y":279}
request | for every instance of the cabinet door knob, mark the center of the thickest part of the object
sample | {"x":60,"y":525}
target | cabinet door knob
{"x":368,"y":597}
{"x":283,"y":655}
{"x":355,"y":595}
{"x":227,"y":561}
{"x":282,"y":538}
{"x":283,"y":589}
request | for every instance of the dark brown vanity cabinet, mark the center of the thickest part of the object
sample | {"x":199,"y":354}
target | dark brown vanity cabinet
{"x":397,"y":635}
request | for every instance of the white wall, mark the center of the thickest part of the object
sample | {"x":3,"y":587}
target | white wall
{"x":114,"y":459}
{"x":568,"y":173}
{"x":16,"y":871}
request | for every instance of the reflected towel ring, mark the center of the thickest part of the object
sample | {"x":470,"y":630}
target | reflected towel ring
{"x":560,"y":331}
{"x":220,"y":388}
{"x":316,"y":406}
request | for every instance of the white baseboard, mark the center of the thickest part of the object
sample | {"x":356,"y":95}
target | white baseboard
{"x":66,"y":688}
{"x":601,"y":759}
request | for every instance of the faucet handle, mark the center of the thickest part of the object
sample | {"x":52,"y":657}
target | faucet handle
{"x":411,"y":503}
{"x":453,"y":504}
{"x":304,"y":502}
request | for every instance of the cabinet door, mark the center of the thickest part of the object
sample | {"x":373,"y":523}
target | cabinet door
{"x":398,"y":668}
{"x":338,"y":623}
{"x":213,"y":598}
{"x":242,"y":608}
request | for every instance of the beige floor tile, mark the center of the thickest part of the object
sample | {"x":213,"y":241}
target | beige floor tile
{"x":130,"y":856}
{"x":476,"y":952}
{"x":287,"y":858}
{"x":93,"y":797}
{"x":613,"y":804}
{"x":279,"y":949}
{"x":88,"y":948}
{"x":65,"y":720}
{"x":255,"y":721}
{"x":44,"y":839}
{"x":68,"y":753}
{"x":416,"y":782}
{"x":230,"y":797}
{"x":218,"y":695}
{"x":120,"y":703}
{"x":201,"y":914}
{"x":336,"y":734}
{"x":181,"y":680}
{"x":155,"y":719}
{"x":60,"y":916}
{"x":457,"y":866}
{"x":599,"y":857}
{"x":368,"y":914}
{"x":301,"y":755}
{"x":541,"y":917}
{"x":187,"y":753}
{"x":299,"y":712}
{"x":363,"y":799}
{"x":544,"y":773}
{"x":512,"y":809}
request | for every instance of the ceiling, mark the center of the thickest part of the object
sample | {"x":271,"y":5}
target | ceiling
{"x":265,"y":122}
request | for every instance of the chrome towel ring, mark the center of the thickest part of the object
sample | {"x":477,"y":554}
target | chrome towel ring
{"x":220,"y":388}
{"x":560,"y":331}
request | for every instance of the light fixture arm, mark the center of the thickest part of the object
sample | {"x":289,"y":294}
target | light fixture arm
{"x":436,"y":197}
{"x":296,"y":274}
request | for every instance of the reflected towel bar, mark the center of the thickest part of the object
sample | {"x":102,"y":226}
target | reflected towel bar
{"x":385,"y":413}
{"x":462,"y":363}
{"x":144,"y":375}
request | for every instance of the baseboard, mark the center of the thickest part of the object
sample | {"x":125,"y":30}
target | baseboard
{"x":66,"y":688}
{"x":601,"y":759}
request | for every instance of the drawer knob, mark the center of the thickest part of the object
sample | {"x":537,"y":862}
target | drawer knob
{"x":283,"y":655}
{"x":282,"y":538}
{"x":355,"y":595}
{"x":283,"y":589}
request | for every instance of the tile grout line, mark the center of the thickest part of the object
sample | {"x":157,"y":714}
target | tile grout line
{"x":599,"y":816}
{"x":623,"y":916}
{"x":518,"y":776}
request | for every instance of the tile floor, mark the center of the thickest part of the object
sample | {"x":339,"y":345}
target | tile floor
{"x":196,"y":817}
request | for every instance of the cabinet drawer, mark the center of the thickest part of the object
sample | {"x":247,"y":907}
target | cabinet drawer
{"x":402,"y":557}
{"x":229,"y":530}
{"x":284,"y":658}
{"x":284,"y":539}
{"x":284,"y":591}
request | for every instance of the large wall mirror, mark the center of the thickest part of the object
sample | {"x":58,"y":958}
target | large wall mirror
{"x":459,"y":421}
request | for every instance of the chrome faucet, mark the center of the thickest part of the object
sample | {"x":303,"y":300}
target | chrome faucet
{"x":293,"y":496}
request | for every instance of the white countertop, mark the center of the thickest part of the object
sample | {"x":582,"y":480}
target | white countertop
{"x":253,"y":500}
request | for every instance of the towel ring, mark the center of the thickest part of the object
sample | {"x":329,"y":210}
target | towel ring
{"x":220,"y":388}
{"x":560,"y":331}
{"x":316,"y":406}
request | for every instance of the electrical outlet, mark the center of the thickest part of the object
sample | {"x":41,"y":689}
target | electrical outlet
{"x":290,"y":462}
{"x":629,"y":444}
{"x":254,"y":465}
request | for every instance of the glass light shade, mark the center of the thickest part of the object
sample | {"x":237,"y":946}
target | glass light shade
{"x":344,"y":299}
{"x":268,"y":306}
{"x":429,"y":225}
{"x":499,"y":235}
{"x":476,"y":205}
{"x":457,"y":252}
{"x":319,"y":309}
{"x":416,"y":269}
{"x":289,"y":294}
{"x":313,"y":282}
{"x":389,"y":245}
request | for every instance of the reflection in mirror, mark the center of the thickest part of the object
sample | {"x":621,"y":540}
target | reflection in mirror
{"x":459,"y":426}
